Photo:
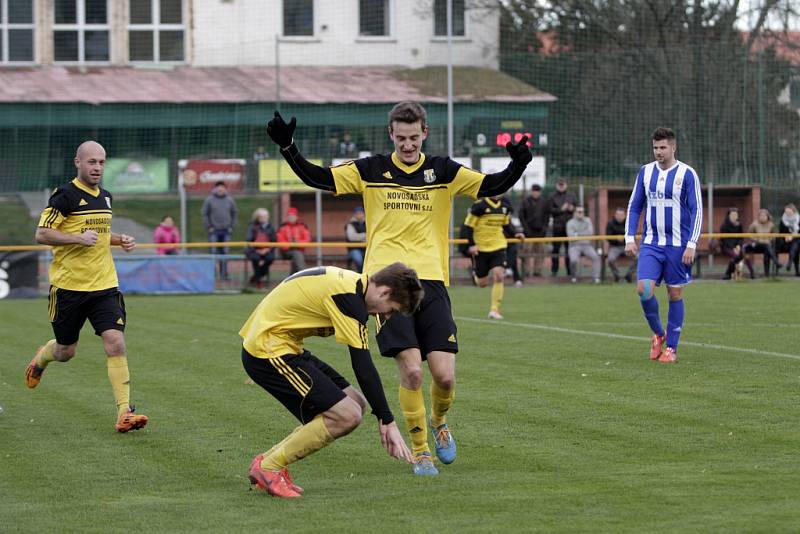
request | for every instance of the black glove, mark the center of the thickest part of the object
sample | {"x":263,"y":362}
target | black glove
{"x":280,"y":132}
{"x":520,"y":153}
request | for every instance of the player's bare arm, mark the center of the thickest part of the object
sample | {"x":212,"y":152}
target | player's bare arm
{"x":53,"y":237}
{"x":123,"y":240}
{"x":393,"y":442}
{"x":688,"y":256}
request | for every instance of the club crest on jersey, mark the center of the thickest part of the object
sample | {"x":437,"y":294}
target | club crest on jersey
{"x":429,"y":176}
{"x":108,"y":202}
{"x":678,"y":181}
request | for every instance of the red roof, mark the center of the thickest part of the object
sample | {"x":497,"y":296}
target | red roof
{"x":786,"y":45}
{"x":185,"y":84}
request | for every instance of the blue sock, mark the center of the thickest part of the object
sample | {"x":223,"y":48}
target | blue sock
{"x":674,"y":323}
{"x":650,"y":307}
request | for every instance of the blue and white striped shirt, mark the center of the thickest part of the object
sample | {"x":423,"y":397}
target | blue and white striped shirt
{"x":673,"y":208}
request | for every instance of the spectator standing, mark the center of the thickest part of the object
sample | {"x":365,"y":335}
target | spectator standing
{"x":260,"y":231}
{"x":616,"y":247}
{"x":514,"y":230}
{"x":219,"y":217}
{"x":763,"y":245}
{"x":578,"y":226}
{"x":293,"y":231}
{"x":562,"y":205}
{"x":534,"y":214}
{"x":732,"y":246}
{"x":347,"y":146}
{"x":356,"y":232}
{"x":166,"y":232}
{"x":790,"y":224}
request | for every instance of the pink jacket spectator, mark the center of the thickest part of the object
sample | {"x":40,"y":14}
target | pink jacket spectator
{"x":166,"y":234}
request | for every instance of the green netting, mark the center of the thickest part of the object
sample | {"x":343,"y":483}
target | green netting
{"x":732,"y":102}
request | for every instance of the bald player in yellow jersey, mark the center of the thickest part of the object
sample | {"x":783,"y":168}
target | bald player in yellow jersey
{"x":322,"y":301}
{"x":487,"y":223}
{"x":83,"y":280}
{"x":407,"y":198}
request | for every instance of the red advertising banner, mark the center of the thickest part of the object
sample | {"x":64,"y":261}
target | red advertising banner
{"x":200,"y":175}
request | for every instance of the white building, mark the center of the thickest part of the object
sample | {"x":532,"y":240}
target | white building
{"x":409,"y":33}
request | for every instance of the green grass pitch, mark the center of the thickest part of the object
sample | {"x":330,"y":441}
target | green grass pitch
{"x":562,"y":423}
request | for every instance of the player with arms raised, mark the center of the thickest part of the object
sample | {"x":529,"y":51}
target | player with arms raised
{"x":668,"y":191}
{"x":407,"y":198}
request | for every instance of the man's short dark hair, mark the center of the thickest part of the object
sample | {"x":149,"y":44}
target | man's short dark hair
{"x":405,"y":285}
{"x":219,"y":183}
{"x":620,"y":208}
{"x":408,"y":112}
{"x":659,"y":134}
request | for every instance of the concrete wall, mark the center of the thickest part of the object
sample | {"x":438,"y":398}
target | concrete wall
{"x":243,"y":32}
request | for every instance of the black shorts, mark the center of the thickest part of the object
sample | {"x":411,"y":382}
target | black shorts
{"x":430,"y":328}
{"x":303,"y":383}
{"x":483,"y":262}
{"x":69,"y":310}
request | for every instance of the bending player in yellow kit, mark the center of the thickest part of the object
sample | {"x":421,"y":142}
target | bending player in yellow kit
{"x":322,"y":301}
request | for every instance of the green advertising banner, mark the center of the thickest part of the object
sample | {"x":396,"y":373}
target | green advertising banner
{"x":124,"y":175}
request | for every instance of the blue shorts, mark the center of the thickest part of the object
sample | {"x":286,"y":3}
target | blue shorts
{"x":663,"y":263}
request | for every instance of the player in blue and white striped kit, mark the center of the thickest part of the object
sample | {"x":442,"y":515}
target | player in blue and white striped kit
{"x":668,"y":191}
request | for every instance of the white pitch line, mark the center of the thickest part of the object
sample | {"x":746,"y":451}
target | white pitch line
{"x":622,"y":336}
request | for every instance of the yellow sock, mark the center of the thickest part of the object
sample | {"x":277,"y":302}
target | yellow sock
{"x":120,"y":380}
{"x":497,"y":296}
{"x":413,"y":405}
{"x":441,"y":400}
{"x":45,"y":356}
{"x":304,"y":440}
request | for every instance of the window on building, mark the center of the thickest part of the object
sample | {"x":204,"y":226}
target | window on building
{"x":440,"y":18}
{"x":156,"y":31}
{"x":373,"y":18}
{"x":16,"y":31}
{"x":81,"y":31}
{"x":298,"y":17}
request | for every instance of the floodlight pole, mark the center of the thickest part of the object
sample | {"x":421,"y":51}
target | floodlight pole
{"x":450,"y":152}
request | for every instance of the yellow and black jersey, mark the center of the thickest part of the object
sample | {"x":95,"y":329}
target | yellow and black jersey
{"x":74,"y":209}
{"x":321,"y":301}
{"x":407,"y":208}
{"x":488,"y":218}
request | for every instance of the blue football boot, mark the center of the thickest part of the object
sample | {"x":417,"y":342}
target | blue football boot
{"x":423,"y":464}
{"x":445,"y":444}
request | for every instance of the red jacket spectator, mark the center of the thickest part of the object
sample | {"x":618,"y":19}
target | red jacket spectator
{"x":166,"y":232}
{"x":293,"y":231}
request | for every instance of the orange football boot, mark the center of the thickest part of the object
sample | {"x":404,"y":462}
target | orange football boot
{"x":130,"y":421}
{"x":656,"y":346}
{"x":273,"y":482}
{"x":668,"y":356}
{"x":257,"y":463}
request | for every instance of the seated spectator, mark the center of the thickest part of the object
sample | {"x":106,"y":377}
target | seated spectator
{"x":616,"y":247}
{"x":763,"y":245}
{"x":260,"y":230}
{"x":732,"y":246}
{"x":356,"y":232}
{"x":513,"y":230}
{"x":581,"y":225}
{"x":790,"y":224}
{"x":293,"y":231}
{"x":166,"y":232}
